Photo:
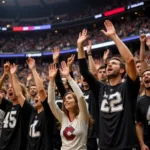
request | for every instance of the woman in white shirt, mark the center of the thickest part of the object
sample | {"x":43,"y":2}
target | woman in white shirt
{"x":74,"y":117}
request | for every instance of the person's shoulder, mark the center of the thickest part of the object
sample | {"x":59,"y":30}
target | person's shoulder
{"x":141,"y":99}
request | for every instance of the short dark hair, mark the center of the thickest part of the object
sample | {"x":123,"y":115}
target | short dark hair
{"x":32,"y":85}
{"x":137,"y":61}
{"x":122,"y":65}
{"x":147,"y":69}
{"x":102,"y":67}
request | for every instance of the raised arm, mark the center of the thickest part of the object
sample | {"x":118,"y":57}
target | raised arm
{"x":58,"y":80}
{"x":37,"y":79}
{"x":105,"y":57}
{"x":51,"y":93}
{"x":92,"y":66}
{"x":16,"y":85}
{"x":144,"y":64}
{"x":81,"y":101}
{"x":70,"y":62}
{"x":123,"y":50}
{"x":94,"y":84}
{"x":6,"y":72}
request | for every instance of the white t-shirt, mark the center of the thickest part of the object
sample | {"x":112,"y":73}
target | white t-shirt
{"x":73,"y":134}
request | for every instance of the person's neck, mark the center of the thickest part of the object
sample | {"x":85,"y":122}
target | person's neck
{"x":115,"y":81}
{"x":40,"y":109}
{"x":71,"y":116}
{"x":85,"y":87}
{"x":15,"y":102}
{"x":148,"y":92}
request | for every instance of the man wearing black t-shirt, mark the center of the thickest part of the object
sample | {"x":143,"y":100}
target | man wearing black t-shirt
{"x":116,"y":100}
{"x":17,"y":114}
{"x":143,"y":114}
{"x":92,"y":143}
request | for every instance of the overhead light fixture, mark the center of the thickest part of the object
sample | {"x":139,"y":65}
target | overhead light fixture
{"x":57,"y":18}
{"x":8,"y":25}
{"x":3,"y":2}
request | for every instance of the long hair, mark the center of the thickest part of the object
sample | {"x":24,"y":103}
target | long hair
{"x":76,"y":109}
{"x":24,"y":91}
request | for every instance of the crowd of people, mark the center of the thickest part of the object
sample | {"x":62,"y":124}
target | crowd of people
{"x":78,"y":105}
{"x":65,"y":39}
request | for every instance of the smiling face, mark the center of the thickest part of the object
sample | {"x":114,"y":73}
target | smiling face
{"x":114,"y":69}
{"x":11,"y":93}
{"x":69,"y":102}
{"x":146,"y":79}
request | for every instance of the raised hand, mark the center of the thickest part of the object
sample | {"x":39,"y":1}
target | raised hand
{"x":64,"y":69}
{"x":31,"y":63}
{"x":7,"y":68}
{"x":56,"y":54}
{"x":52,"y":71}
{"x":89,"y":47}
{"x":144,"y":147}
{"x":110,"y":30}
{"x":82,"y":37}
{"x":13,"y":68}
{"x":143,"y":38}
{"x":106,"y":54}
{"x":29,"y":77}
{"x":70,"y":60}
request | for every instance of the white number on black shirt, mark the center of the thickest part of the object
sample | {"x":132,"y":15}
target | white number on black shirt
{"x":10,"y":120}
{"x":34,"y":133}
{"x":114,"y":103}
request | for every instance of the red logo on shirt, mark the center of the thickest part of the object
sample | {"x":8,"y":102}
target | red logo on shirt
{"x":68,"y":133}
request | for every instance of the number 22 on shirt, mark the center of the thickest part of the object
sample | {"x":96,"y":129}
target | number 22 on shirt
{"x":10,"y":120}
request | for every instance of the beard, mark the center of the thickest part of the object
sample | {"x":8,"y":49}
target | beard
{"x":112,"y":75}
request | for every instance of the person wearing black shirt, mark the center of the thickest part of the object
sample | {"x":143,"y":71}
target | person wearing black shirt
{"x":41,"y":122}
{"x":92,"y":142}
{"x":17,"y":114}
{"x":143,"y":114}
{"x":116,"y":100}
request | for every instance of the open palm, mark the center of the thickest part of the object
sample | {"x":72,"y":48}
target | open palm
{"x":31,"y":63}
{"x":52,"y":70}
{"x":13,"y":68}
{"x":89,"y":47}
{"x":70,"y":60}
{"x":64,"y":69}
{"x":56,"y":53}
{"x":82,"y":37}
{"x":110,"y":30}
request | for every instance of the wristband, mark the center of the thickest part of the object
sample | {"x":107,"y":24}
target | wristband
{"x":89,"y":54}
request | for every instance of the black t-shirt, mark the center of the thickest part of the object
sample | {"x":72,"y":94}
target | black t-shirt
{"x":56,"y":133}
{"x":41,"y":129}
{"x":15,"y":125}
{"x":93,"y":110}
{"x":143,"y":115}
{"x":116,"y":110}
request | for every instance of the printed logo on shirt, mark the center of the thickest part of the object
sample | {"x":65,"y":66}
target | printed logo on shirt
{"x":10,"y":119}
{"x":148,"y":115}
{"x":68,"y":133}
{"x":33,"y":133}
{"x":112,"y":103}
